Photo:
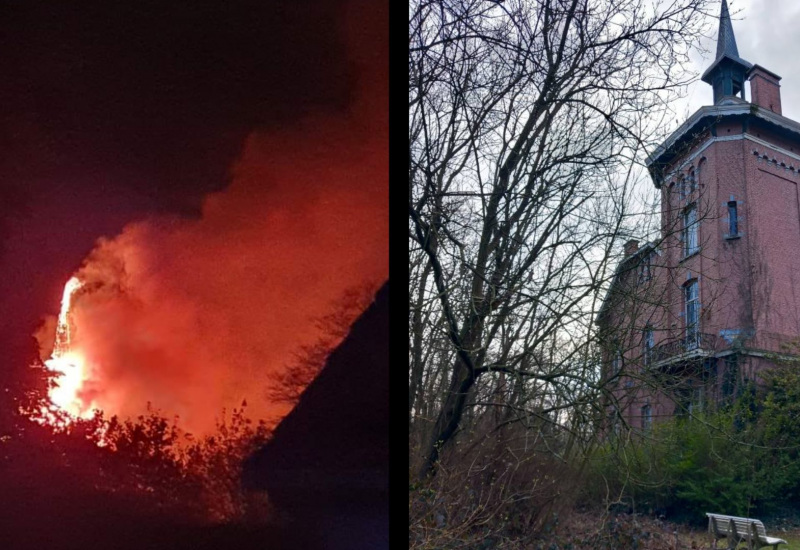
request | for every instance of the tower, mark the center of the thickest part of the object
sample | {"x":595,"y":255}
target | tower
{"x":712,"y":301}
{"x":727,"y":74}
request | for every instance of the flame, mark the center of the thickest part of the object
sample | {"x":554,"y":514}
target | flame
{"x":68,"y":364}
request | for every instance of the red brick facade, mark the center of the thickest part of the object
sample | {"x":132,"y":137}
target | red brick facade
{"x":709,"y":308}
{"x":765,"y":89}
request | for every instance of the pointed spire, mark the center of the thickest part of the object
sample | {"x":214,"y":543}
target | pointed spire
{"x":726,"y":42}
{"x":728,"y":72}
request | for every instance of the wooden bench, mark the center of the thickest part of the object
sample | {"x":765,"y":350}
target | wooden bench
{"x":736,"y":530}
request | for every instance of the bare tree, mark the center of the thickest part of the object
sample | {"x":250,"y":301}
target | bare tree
{"x":527,"y":120}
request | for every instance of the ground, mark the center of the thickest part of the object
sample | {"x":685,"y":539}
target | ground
{"x":595,"y":531}
{"x":664,"y":534}
{"x":702,"y":540}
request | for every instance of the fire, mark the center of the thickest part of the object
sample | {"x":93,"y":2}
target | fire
{"x":68,"y":364}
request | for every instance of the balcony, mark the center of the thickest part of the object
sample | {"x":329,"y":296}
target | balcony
{"x":698,"y":345}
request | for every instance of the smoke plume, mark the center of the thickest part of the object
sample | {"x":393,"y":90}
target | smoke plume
{"x":193,"y":315}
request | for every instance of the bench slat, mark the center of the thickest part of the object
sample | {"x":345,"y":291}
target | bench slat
{"x":741,"y":529}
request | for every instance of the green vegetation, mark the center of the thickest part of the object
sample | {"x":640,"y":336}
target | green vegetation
{"x":632,"y":491}
{"x":741,"y":459}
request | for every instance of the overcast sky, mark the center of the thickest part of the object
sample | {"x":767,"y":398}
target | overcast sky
{"x":766,"y":34}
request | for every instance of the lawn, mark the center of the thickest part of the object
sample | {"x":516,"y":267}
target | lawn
{"x":700,"y":539}
{"x":793,"y":538}
{"x":663,"y":535}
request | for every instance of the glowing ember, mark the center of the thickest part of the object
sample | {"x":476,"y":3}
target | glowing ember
{"x":69,"y":365}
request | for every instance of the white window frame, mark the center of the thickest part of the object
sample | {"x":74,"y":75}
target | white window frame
{"x":616,"y":362}
{"x":691,"y":297}
{"x":696,"y":401}
{"x":648,"y":344}
{"x":690,"y":231}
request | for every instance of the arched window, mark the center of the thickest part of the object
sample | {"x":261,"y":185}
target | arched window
{"x":691,"y":242}
{"x":648,"y":344}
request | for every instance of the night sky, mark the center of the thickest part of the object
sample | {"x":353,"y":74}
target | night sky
{"x":113,"y":112}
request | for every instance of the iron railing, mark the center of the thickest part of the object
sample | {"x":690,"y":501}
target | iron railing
{"x":703,"y":342}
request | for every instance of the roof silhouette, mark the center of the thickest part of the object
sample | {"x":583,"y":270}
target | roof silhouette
{"x":335,"y":441}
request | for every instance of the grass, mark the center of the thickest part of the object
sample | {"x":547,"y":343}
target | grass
{"x":700,"y":539}
{"x":792,"y":537}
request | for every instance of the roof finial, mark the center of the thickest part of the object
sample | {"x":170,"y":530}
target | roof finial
{"x":726,"y":42}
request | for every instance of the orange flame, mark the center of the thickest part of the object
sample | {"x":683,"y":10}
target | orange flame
{"x":68,"y":364}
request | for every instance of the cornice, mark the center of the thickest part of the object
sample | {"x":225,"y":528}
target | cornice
{"x":718,"y":113}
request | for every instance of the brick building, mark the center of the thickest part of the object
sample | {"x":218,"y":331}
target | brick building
{"x":710,"y":304}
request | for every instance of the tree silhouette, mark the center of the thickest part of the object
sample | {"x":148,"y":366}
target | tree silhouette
{"x":288,"y":384}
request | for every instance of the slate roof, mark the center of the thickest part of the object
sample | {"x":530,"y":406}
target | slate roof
{"x":726,"y":45}
{"x":726,"y":41}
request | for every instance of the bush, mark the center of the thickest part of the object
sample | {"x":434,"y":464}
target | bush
{"x":151,"y":461}
{"x":501,"y":487}
{"x":741,"y":460}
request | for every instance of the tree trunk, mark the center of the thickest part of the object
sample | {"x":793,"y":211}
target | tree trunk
{"x":417,"y":343}
{"x":449,"y":417}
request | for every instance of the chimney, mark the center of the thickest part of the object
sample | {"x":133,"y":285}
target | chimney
{"x":631,"y":247}
{"x":765,"y":90}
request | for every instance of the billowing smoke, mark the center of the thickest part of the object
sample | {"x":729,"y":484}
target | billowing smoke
{"x":194,"y":315}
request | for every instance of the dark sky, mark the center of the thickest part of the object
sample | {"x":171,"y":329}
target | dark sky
{"x":110,"y":111}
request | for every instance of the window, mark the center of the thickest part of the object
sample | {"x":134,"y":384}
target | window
{"x":647,"y":418}
{"x":690,"y":244}
{"x":613,"y":421}
{"x":645,"y":273}
{"x":696,"y":401}
{"x":683,"y":189}
{"x":692,"y":315}
{"x":730,"y":377}
{"x":648,"y":343}
{"x":733,"y":220}
{"x":692,"y":183}
{"x":616,"y":363}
